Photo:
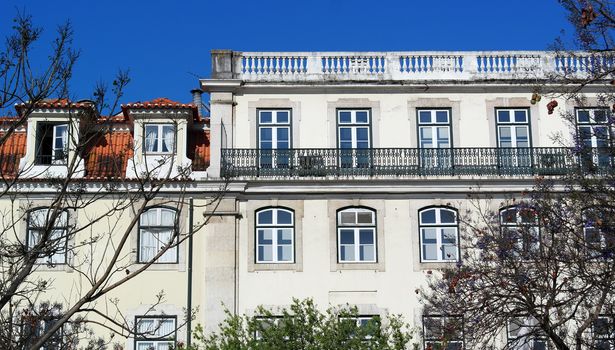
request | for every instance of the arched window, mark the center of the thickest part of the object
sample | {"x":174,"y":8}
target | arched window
{"x":356,"y":235}
{"x":53,"y":251}
{"x":598,"y":231}
{"x":439,"y":234}
{"x":520,"y":225}
{"x":157,"y":230}
{"x":275,"y":236}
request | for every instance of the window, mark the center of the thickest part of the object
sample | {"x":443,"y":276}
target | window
{"x":275,"y":235}
{"x":157,"y":229}
{"x":439,"y":234}
{"x":354,"y":137}
{"x":598,"y":232}
{"x":53,"y":251}
{"x":51,"y":143}
{"x":443,"y":332}
{"x":594,"y":135}
{"x":264,"y":324}
{"x":603,"y":330}
{"x":519,"y":227}
{"x":513,"y":135}
{"x":155,"y":333}
{"x":434,"y":128}
{"x":356,"y":235}
{"x":367,"y":325}
{"x":34,"y":326}
{"x":159,"y":138}
{"x":274,"y":138}
{"x":523,"y":334}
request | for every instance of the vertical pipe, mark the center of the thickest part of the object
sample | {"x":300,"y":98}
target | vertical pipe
{"x":189,"y":296}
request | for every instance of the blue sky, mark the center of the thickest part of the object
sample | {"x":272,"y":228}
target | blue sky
{"x":166,"y":44}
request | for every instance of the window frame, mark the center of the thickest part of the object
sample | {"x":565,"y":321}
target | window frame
{"x":274,"y":125}
{"x":170,"y":339}
{"x":604,"y":246}
{"x":520,"y":225}
{"x":594,"y":155}
{"x":438,"y":226}
{"x":65,"y":228}
{"x":356,"y":227}
{"x":58,"y":337}
{"x":611,"y":325}
{"x":364,"y":317}
{"x":360,"y":157}
{"x":274,"y":240}
{"x":40,"y":159}
{"x":532,"y":337}
{"x":431,"y":125}
{"x":175,"y":228}
{"x":159,"y":138}
{"x":527,"y":124}
{"x":439,"y":340}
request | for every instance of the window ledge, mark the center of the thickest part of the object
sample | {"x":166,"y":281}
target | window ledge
{"x":274,"y":267}
{"x":431,"y":265}
{"x":57,"y":268}
{"x":376,"y":266}
{"x":163,"y":267}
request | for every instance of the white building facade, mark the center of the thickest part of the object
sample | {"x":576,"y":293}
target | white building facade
{"x":355,"y":167}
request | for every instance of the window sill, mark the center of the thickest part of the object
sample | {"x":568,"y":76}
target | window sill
{"x":161,"y":267}
{"x":56,"y":267}
{"x":375,"y":266}
{"x":274,"y":267}
{"x":431,"y":265}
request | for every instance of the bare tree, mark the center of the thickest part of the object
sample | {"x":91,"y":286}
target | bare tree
{"x":81,"y":218}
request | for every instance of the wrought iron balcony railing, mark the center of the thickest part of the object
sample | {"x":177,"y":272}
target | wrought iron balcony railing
{"x":413,"y":162}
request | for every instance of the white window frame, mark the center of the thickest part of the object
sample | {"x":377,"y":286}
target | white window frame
{"x":171,"y":256}
{"x":519,"y":226}
{"x":517,"y":341}
{"x":513,"y":124}
{"x":592,"y":124}
{"x":609,"y":338}
{"x":155,"y":341}
{"x":272,"y":321}
{"x":596,"y":251}
{"x":359,"y":156}
{"x":274,"y":227}
{"x":433,"y":124}
{"x":58,"y":154}
{"x":438,"y":226}
{"x":59,"y":229}
{"x":160,"y":128}
{"x":274,"y":125}
{"x":438,"y":341}
{"x":357,"y":227}
{"x":362,"y":321}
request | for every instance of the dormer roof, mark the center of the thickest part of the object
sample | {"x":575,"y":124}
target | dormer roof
{"x":161,"y":103}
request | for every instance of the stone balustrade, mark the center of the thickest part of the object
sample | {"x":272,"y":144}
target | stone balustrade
{"x":407,"y":66}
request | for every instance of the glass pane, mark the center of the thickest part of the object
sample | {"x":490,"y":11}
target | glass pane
{"x":285,"y":236}
{"x":365,"y":217}
{"x":428,"y":216}
{"x":430,"y":252}
{"x":265,"y":253}
{"x":266,"y":134}
{"x":600,"y":116}
{"x":348,"y":218}
{"x":366,"y":236}
{"x":503,"y":116}
{"x":523,"y":139}
{"x":345,"y":134}
{"x":265,"y":236}
{"x":505,"y":135}
{"x":367,"y":253}
{"x":347,"y":253}
{"x":508,"y":216}
{"x":583,"y":116}
{"x":283,"y":117}
{"x":285,"y":253}
{"x":346,"y":236}
{"x":521,"y":116}
{"x":449,"y":235}
{"x":429,"y":235}
{"x":265,"y":117}
{"x":362,"y":134}
{"x":442,"y":116}
{"x":433,"y":327}
{"x":265,"y":217}
{"x":345,"y":117}
{"x":362,"y":117}
{"x":449,"y":252}
{"x":443,"y":137}
{"x":282,"y":134}
{"x":141,"y":345}
{"x":426,"y":135}
{"x":285,"y":217}
{"x":425,"y":117}
{"x":447,"y":216}
{"x":167,"y":217}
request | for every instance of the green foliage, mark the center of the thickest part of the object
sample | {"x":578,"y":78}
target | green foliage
{"x":303,"y":326}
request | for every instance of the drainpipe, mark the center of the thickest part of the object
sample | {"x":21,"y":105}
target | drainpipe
{"x":189,"y":301}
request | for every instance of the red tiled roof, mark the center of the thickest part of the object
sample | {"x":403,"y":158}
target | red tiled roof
{"x":56,"y":103}
{"x":108,"y":155}
{"x":11,"y":151}
{"x":161,"y":103}
{"x":198,"y":149}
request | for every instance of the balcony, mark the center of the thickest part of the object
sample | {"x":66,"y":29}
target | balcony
{"x":301,"y":67}
{"x":412,"y":162}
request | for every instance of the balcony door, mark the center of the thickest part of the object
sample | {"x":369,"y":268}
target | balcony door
{"x":594,"y":136}
{"x":435,"y":140}
{"x":354,"y":138}
{"x":514,"y":141}
{"x":274,"y":139}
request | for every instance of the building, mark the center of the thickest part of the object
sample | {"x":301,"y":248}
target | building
{"x":333,"y":176}
{"x":357,"y":165}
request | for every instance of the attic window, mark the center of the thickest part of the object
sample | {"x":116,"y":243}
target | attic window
{"x":159,"y":138}
{"x":51,"y":143}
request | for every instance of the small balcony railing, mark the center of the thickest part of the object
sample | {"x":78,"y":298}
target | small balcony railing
{"x":333,"y":162}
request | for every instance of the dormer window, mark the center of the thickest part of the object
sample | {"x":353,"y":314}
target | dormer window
{"x":159,"y":138}
{"x":51,"y":143}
